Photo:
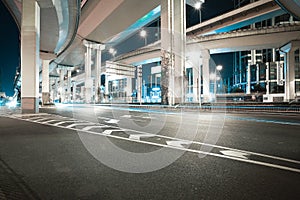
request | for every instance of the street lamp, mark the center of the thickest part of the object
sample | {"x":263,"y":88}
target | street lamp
{"x":198,"y":6}
{"x":143,"y":34}
{"x":112,"y":51}
{"x":218,"y":68}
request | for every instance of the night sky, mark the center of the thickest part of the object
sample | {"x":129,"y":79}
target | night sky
{"x":9,"y":50}
{"x":10,"y":45}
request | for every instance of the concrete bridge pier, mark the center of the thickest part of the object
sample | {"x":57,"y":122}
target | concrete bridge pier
{"x":204,"y":61}
{"x":88,"y":72}
{"x":62,"y":85}
{"x":290,"y":51}
{"x":99,"y":48}
{"x":30,"y":43}
{"x":45,"y":82}
{"x":173,"y":41}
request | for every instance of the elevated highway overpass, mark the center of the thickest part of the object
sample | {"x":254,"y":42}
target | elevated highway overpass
{"x":103,"y":23}
{"x":240,"y":40}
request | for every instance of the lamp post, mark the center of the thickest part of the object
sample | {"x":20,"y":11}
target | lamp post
{"x":198,"y":6}
{"x":218,"y":69}
{"x":143,"y":34}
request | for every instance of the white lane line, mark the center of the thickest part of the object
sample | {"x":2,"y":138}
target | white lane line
{"x":179,"y":143}
{"x":235,"y":154}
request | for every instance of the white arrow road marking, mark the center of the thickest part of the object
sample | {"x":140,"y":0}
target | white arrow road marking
{"x":91,"y":127}
{"x":112,"y":121}
{"x":60,"y":123}
{"x":179,"y":143}
{"x":235,"y":154}
{"x":139,"y":136}
{"x":108,"y":132}
{"x":79,"y":124}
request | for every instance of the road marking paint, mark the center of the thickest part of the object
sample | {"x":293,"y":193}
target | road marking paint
{"x":52,"y":120}
{"x":139,"y":136}
{"x":107,"y":133}
{"x":126,"y":116}
{"x":112,"y":121}
{"x":105,"y":118}
{"x":62,"y":122}
{"x":29,"y":115}
{"x":39,"y":120}
{"x":79,"y":124}
{"x":91,"y":127}
{"x":35,"y":118}
{"x":178,"y":143}
{"x":235,"y":154}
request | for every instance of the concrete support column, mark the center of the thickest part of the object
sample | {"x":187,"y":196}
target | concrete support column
{"x":99,"y":48}
{"x":55,"y":89}
{"x":106,"y":84}
{"x":253,"y":62}
{"x":205,"y":75}
{"x":45,"y":83}
{"x":139,"y":83}
{"x":82,"y":90}
{"x":128,"y":88}
{"x":173,"y":40}
{"x":268,"y":79}
{"x":257,"y":73}
{"x":62,"y":85}
{"x":74,"y":92}
{"x":248,"y":89}
{"x":69,"y":85}
{"x":196,"y":83}
{"x":30,"y":43}
{"x":290,"y":75}
{"x":289,"y":69}
{"x":88,"y":76}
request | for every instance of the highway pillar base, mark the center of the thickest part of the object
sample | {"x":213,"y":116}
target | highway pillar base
{"x":46,"y":97}
{"x":30,"y":105}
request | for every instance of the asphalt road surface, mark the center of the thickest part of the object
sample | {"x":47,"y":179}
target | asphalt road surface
{"x":102,"y":152}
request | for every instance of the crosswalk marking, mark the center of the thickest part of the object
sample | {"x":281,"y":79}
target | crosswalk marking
{"x":91,"y":127}
{"x":79,"y":124}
